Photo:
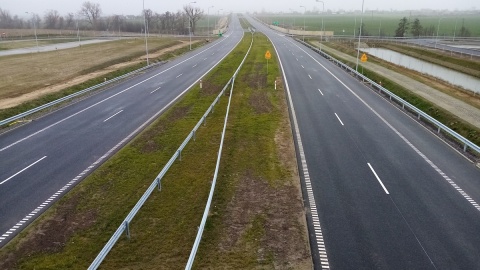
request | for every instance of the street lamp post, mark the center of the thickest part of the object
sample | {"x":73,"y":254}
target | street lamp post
{"x":323,"y":29}
{"x":455,"y":30}
{"x":34,"y":27}
{"x":190,"y":26}
{"x":293,"y":17}
{"x":438,"y":28}
{"x":218,"y":16}
{"x":145,"y":22}
{"x":78,"y":33}
{"x":304,"y":11}
{"x":208,"y":20}
{"x":359,"y":35}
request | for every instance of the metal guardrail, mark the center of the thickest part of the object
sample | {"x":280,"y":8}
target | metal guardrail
{"x":405,"y":105}
{"x":214,"y":181}
{"x":125,"y":225}
{"x":55,"y":102}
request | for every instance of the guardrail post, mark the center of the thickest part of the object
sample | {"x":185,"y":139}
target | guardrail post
{"x":127,"y":229}
{"x":438,"y":131}
{"x":418,"y":117}
{"x":194,"y":135}
{"x":204,"y":120}
{"x":465,"y":148}
{"x":180,"y":155}
{"x":159,"y":184}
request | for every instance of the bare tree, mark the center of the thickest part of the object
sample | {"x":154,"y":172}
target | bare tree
{"x":51,"y":19}
{"x":91,"y":11}
{"x":116,"y":22}
{"x":69,"y":23}
{"x":148,"y":13}
{"x":194,"y":14}
{"x":6,"y":20}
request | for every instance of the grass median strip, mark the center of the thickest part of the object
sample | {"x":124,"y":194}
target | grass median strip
{"x":72,"y":232}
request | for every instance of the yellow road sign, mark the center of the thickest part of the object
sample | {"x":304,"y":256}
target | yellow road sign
{"x":364,"y":58}
{"x":268,"y":55}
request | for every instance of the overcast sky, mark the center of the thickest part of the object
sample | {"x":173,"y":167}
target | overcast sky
{"x":133,"y":7}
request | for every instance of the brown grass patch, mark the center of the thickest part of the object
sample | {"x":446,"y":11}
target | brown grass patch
{"x":260,"y":102}
{"x":149,"y":144}
{"x":29,"y":76}
{"x":52,"y":235}
{"x":210,"y":88}
{"x":255,"y":199}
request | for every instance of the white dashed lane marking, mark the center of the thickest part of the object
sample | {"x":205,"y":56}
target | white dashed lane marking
{"x":24,"y":169}
{"x":378,"y":178}
{"x":155,"y":90}
{"x":112,"y":116}
{"x":340,"y":120}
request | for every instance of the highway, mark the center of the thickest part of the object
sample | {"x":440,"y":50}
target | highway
{"x":41,"y":161}
{"x":442,"y":45}
{"x":381,"y":191}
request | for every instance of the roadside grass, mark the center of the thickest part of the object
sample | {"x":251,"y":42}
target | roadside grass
{"x":459,"y":64}
{"x":5,"y":113}
{"x":465,"y":129}
{"x":29,"y":72}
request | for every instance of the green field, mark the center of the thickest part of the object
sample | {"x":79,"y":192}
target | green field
{"x":375,"y":23}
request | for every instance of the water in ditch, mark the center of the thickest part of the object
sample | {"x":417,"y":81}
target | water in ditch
{"x":456,"y":78}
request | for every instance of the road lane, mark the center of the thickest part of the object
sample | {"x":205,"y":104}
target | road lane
{"x":79,"y":137}
{"x":381,"y":182}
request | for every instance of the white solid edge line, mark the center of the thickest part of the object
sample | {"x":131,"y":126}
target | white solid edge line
{"x":22,"y":170}
{"x":112,"y":116}
{"x":311,"y":199}
{"x":339,"y":119}
{"x":378,"y":178}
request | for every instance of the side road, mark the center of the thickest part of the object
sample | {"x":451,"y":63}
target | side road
{"x":457,"y":107}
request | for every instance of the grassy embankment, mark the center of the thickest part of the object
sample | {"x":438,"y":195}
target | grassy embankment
{"x":257,"y":218}
{"x":30,"y":72}
{"x":448,"y":119}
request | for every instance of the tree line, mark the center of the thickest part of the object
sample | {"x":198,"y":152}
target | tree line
{"x":416,"y":29}
{"x":89,"y":17}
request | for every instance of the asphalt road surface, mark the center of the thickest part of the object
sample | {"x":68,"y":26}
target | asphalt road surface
{"x":381,"y":190}
{"x":44,"y":159}
{"x":440,"y":44}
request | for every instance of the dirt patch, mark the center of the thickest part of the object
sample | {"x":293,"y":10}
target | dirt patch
{"x":209,"y":88}
{"x":51,"y":236}
{"x":256,"y":79}
{"x":256,"y":199}
{"x":260,"y":102}
{"x":15,"y":101}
